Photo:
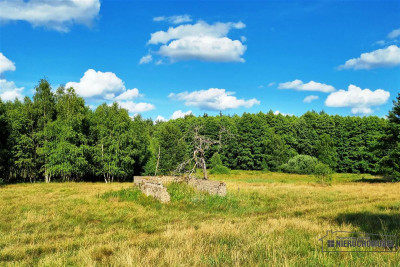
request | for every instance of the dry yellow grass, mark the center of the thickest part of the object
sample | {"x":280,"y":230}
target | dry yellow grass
{"x":267,"y":220}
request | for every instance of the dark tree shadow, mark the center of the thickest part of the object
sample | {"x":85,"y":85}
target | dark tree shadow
{"x":373,"y":223}
{"x":374,"y":180}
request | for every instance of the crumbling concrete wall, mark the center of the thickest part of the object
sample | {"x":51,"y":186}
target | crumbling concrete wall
{"x":151,"y":185}
{"x":155,"y":189}
{"x":212,"y":187}
{"x":161,"y":179}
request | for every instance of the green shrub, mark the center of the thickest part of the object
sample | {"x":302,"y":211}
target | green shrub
{"x":150,"y":167}
{"x":216,"y":165}
{"x":323,"y":173}
{"x":220,"y":169}
{"x":301,"y":164}
{"x":216,"y":160}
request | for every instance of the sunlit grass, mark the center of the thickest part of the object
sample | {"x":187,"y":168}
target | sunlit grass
{"x":267,"y":219}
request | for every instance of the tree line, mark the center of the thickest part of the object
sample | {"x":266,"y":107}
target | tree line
{"x":55,"y":136}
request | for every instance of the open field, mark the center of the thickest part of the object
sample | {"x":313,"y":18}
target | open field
{"x":267,"y":219}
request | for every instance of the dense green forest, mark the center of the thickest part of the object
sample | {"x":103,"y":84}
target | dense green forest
{"x":56,"y":136}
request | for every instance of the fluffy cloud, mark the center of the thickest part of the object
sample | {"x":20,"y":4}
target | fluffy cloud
{"x":362,"y":110}
{"x":218,"y":29}
{"x":105,"y":86}
{"x":276,"y":112}
{"x":6,"y":64}
{"x":178,"y":19}
{"x":146,"y":59}
{"x":128,"y":94}
{"x":310,"y":86}
{"x":385,"y":57}
{"x":394,"y":34}
{"x":57,"y":15}
{"x":9,"y":91}
{"x":180,"y":114}
{"x":200,"y":41}
{"x":136,"y":107}
{"x":98,"y":84}
{"x":213,"y":99}
{"x":206,"y":48}
{"x":160,"y":118}
{"x":310,"y":98}
{"x":360,"y":100}
{"x":176,"y":115}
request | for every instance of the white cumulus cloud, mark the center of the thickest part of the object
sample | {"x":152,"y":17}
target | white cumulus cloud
{"x":213,"y":99}
{"x":180,"y":114}
{"x":206,"y":48}
{"x":394,"y":34}
{"x":146,"y":59}
{"x":277,"y":112}
{"x":360,"y":100}
{"x":310,"y":86}
{"x":58,"y":15}
{"x":6,"y":64}
{"x":160,"y":118}
{"x":200,"y":41}
{"x":218,"y":29}
{"x":128,"y":94}
{"x":136,"y":107}
{"x":176,"y":115}
{"x":362,"y":110}
{"x":107,"y":86}
{"x":98,"y":84}
{"x":310,"y":98}
{"x":177,"y":19}
{"x":9,"y":91}
{"x":385,"y":57}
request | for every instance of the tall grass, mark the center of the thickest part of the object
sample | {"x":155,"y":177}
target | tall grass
{"x":267,"y":219}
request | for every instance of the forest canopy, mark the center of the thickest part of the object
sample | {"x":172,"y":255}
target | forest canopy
{"x":56,"y":136}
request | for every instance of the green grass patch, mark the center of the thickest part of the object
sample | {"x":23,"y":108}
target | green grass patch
{"x":131,"y":194}
{"x":266,"y":219}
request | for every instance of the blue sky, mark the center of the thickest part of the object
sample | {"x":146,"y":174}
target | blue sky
{"x":229,"y":56}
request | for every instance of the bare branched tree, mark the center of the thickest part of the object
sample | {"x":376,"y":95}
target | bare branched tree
{"x":201,"y":144}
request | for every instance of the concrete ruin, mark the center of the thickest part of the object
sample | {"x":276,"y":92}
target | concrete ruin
{"x":212,"y":187}
{"x":154,"y":188}
{"x":155,"y":185}
{"x":161,"y":179}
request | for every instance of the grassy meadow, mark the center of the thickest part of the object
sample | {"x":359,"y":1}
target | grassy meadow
{"x":267,"y":219}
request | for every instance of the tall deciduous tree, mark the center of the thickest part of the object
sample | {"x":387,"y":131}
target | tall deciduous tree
{"x":45,"y":112}
{"x":172,"y":148}
{"x":391,"y":143}
{"x":4,"y":135}
{"x":326,"y":151}
{"x":67,"y":145}
{"x":277,"y":152}
{"x":22,"y":156}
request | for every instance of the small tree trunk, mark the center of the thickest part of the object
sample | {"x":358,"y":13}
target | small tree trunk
{"x":205,"y":177}
{"x":158,"y":161}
